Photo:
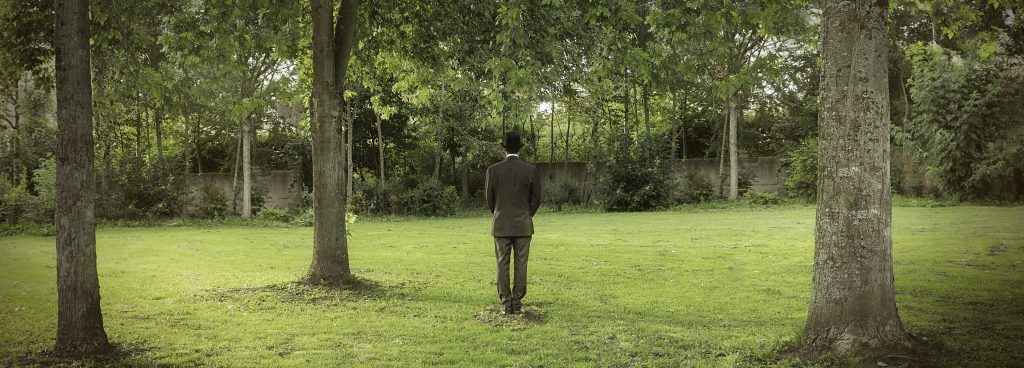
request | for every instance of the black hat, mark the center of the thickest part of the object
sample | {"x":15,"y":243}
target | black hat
{"x":511,"y":140}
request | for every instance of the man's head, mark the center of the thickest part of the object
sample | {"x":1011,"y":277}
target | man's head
{"x":511,"y":142}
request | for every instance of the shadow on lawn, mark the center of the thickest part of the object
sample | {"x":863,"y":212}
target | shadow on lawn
{"x":306,"y":293}
{"x":122,"y":355}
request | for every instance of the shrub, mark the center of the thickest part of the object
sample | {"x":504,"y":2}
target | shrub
{"x":213,"y":202}
{"x":633,"y":180}
{"x":562,"y":192}
{"x":696,"y":188}
{"x":428,"y":198}
{"x":45,"y":180}
{"x":151,"y":191}
{"x":802,"y":176}
{"x":17,"y":206}
{"x":762,"y":198}
{"x":274,"y":214}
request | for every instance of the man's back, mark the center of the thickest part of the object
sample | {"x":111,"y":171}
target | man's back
{"x":513,"y":195}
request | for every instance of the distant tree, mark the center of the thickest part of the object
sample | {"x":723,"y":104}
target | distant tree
{"x":79,"y":319}
{"x":853,"y":306}
{"x":332,"y":46}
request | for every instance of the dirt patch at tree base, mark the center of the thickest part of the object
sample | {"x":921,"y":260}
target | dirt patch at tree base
{"x":494,"y":315}
{"x":119,"y":355}
{"x":923,"y":352}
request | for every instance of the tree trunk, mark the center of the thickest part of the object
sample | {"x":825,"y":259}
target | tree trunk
{"x":331,"y":50}
{"x":79,"y":319}
{"x":234,"y":176}
{"x":682,"y":126}
{"x":734,"y":164}
{"x":186,"y":152}
{"x":380,"y":148}
{"x":721,"y":155}
{"x":551,"y":136}
{"x":674,"y":128}
{"x":16,"y":135}
{"x":645,"y":95}
{"x":568,"y":130}
{"x":465,"y":179}
{"x":348,"y":149}
{"x":853,"y":308}
{"x":159,"y":137}
{"x":246,"y":170}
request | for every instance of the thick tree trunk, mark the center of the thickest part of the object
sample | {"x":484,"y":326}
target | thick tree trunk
{"x":330,"y":248}
{"x":246,"y":170}
{"x":734,"y":165}
{"x":79,"y":319}
{"x":853,"y":308}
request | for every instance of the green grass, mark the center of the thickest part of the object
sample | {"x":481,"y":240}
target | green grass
{"x":715,"y":288}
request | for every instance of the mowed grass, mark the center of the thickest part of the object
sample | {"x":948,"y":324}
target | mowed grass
{"x":715,"y":288}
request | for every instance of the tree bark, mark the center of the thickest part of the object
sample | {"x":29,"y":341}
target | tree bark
{"x":246,"y":170}
{"x":734,"y":166}
{"x":79,"y":319}
{"x":330,"y":247}
{"x":721,"y":155}
{"x":159,"y":136}
{"x":348,"y":148}
{"x":853,"y":307}
{"x":551,"y":136}
{"x":380,"y":148}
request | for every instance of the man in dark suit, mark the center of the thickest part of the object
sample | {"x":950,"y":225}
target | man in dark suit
{"x":513,"y":194}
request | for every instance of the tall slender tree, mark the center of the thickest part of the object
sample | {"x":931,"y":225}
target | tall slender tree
{"x":332,"y":46}
{"x":853,"y":307}
{"x":79,"y":319}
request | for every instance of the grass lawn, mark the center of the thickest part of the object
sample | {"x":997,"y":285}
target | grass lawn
{"x":703,"y":288}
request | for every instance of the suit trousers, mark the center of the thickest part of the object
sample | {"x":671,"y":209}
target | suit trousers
{"x":519,"y":249}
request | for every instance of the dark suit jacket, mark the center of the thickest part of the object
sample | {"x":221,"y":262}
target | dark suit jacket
{"x":513,"y":194}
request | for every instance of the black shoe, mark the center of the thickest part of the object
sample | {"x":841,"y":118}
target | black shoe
{"x":508,"y":310}
{"x":518,"y":310}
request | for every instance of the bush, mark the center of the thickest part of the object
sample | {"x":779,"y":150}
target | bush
{"x":696,"y":188}
{"x":562,"y":192}
{"x":274,"y":214}
{"x":802,"y":176}
{"x":762,"y":198}
{"x":45,"y":180}
{"x":213,"y":202}
{"x":150,"y":191}
{"x":420,"y":198}
{"x":428,"y":198}
{"x":634,"y":180}
{"x":17,"y":206}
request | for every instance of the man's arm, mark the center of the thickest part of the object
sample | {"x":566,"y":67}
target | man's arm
{"x":489,"y":190}
{"x":535,"y":194}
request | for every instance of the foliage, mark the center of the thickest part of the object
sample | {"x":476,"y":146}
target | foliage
{"x":45,"y":185}
{"x":762,"y":198}
{"x":633,"y":180}
{"x":18,"y":206}
{"x":696,"y":188}
{"x":967,"y":125}
{"x":802,"y":170}
{"x":274,"y":214}
{"x":416,"y":198}
{"x":212,"y":202}
{"x":562,"y":192}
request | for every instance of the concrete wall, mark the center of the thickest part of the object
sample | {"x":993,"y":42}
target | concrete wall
{"x":281,"y":187}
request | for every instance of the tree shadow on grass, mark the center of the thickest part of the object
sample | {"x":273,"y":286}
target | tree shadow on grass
{"x":122,"y":355}
{"x":298,"y":292}
{"x":534,"y":315}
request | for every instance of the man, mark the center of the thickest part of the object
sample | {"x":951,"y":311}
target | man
{"x":513,"y":196}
